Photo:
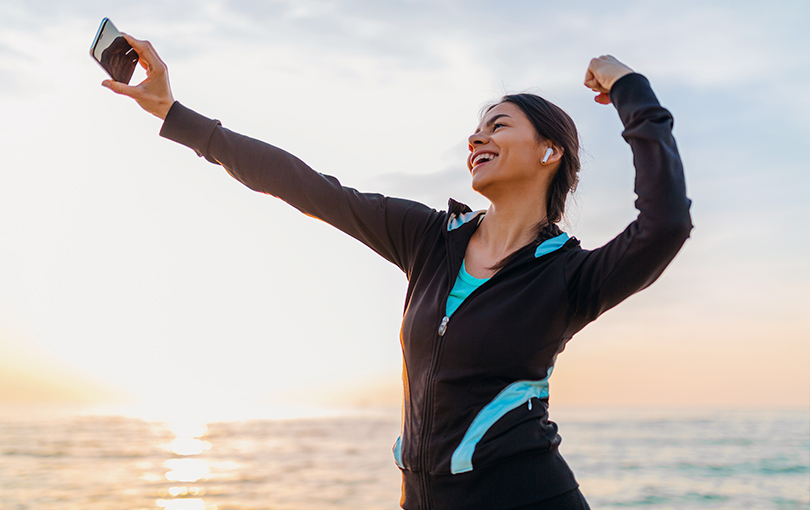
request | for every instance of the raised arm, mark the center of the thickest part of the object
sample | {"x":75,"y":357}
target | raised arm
{"x":392,"y":227}
{"x":601,"y":278}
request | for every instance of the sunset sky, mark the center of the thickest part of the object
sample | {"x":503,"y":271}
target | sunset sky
{"x":131,"y":267}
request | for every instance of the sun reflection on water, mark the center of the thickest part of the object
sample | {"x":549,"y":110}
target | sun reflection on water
{"x":184,"y":504}
{"x":188,"y":429}
{"x":186,"y":470}
{"x":181,"y":491}
{"x":188,"y":446}
{"x":187,"y":443}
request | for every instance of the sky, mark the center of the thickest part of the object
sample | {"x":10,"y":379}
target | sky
{"x":131,"y":268}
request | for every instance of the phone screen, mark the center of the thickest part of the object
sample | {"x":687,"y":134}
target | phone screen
{"x":113,"y":52}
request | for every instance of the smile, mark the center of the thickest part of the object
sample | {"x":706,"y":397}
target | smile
{"x":483,"y":158}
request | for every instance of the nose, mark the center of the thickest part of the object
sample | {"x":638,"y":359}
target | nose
{"x":475,"y":140}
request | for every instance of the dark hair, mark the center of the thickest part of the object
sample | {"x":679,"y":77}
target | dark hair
{"x":554,"y":125}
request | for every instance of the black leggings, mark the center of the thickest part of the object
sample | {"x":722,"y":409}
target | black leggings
{"x":571,"y":500}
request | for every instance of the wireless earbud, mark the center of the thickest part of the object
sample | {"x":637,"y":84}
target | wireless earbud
{"x":549,"y":152}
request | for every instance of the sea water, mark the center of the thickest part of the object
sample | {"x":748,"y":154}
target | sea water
{"x":644,"y":459}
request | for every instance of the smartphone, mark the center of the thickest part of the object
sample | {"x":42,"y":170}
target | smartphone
{"x":113,"y":52}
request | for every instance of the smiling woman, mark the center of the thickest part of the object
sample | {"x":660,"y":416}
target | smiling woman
{"x":493,"y":296}
{"x":532,"y":126}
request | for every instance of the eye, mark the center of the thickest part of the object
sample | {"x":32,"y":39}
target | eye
{"x":497,"y":125}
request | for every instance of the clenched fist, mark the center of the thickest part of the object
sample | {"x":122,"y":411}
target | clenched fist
{"x":602,"y":73}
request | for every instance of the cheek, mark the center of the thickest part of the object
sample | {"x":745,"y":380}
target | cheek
{"x":532,"y":153}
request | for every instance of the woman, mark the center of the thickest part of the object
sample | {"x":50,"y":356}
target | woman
{"x":493,"y":296}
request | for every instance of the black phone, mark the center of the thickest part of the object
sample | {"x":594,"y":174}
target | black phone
{"x":113,"y":52}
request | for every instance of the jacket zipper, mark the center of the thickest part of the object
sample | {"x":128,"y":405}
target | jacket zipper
{"x":427,"y":419}
{"x":434,"y":366}
{"x":443,"y":325}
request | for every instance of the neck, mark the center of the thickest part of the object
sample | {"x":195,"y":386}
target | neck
{"x":510,"y":225}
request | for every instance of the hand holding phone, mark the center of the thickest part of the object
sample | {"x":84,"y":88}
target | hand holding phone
{"x":113,"y":53}
{"x":154,"y":94}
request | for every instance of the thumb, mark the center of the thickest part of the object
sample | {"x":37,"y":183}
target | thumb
{"x":120,"y":88}
{"x":602,"y":98}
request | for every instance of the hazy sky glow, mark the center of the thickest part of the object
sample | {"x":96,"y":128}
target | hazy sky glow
{"x":131,"y":260}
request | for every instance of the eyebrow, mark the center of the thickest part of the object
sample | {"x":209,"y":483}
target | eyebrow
{"x":491,"y":121}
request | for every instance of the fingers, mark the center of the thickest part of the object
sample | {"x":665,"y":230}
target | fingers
{"x":149,"y":58}
{"x":592,"y":83}
{"x":153,"y":94}
{"x":607,"y":67}
{"x":602,"y":73}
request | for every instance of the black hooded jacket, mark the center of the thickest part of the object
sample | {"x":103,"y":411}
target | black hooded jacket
{"x":476,"y":432}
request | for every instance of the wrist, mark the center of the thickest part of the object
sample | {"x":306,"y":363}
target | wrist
{"x":163,"y":108}
{"x":619,"y":76}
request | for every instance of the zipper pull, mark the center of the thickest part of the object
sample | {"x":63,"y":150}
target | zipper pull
{"x":443,"y":325}
{"x":530,"y":404}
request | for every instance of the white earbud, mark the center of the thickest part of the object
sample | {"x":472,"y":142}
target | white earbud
{"x":549,"y":152}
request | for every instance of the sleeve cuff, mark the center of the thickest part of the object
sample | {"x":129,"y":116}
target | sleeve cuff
{"x":188,"y":128}
{"x":630,"y":92}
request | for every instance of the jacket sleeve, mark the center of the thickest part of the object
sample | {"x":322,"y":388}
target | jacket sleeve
{"x":599,"y":279}
{"x":390,"y":226}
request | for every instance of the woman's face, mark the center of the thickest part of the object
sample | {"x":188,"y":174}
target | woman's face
{"x":505,"y":153}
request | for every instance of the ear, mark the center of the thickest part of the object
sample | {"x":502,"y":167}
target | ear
{"x":551,"y":155}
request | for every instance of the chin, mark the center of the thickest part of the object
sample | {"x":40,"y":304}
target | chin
{"x":479,"y":186}
{"x":475,"y":184}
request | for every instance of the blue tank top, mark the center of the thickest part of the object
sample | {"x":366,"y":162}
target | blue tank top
{"x":464,"y":286}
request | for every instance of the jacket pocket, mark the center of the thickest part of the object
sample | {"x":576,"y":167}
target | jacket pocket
{"x":513,"y":396}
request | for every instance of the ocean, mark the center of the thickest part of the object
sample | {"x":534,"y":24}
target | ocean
{"x":642,"y":459}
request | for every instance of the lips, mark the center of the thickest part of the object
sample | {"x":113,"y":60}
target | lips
{"x":480,"y":158}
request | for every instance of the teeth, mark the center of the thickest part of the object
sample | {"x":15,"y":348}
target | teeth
{"x":483,"y":157}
